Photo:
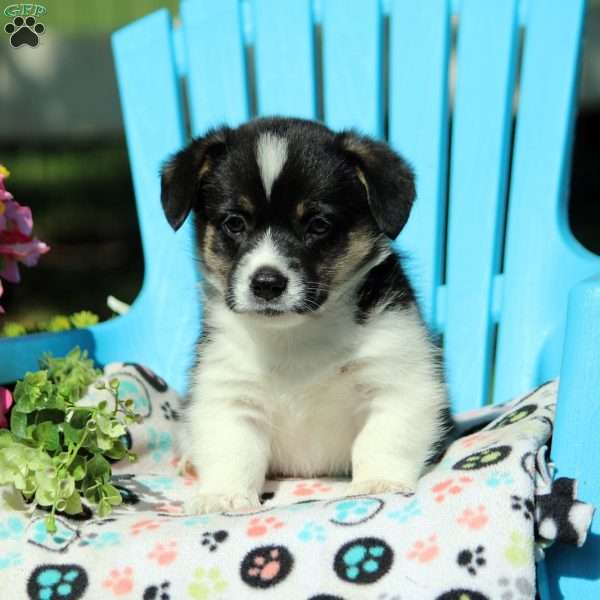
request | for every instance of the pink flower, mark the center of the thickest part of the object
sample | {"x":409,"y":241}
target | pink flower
{"x":6,"y":401}
{"x":17,"y":243}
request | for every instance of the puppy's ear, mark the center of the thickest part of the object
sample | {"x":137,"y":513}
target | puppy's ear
{"x":387,"y":178}
{"x":183,"y":174}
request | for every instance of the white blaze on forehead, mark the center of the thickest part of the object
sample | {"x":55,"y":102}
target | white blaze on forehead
{"x":271,"y":154}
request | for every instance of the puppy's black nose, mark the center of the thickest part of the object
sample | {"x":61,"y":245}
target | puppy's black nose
{"x":268,"y":283}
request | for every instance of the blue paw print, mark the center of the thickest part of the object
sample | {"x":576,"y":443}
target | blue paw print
{"x":51,"y":582}
{"x":10,"y":559}
{"x":498,"y":478}
{"x":194,"y":521}
{"x":312,"y":531}
{"x":356,"y":510}
{"x":159,"y":443}
{"x":157,"y":484}
{"x":364,"y":560}
{"x":12,"y":528}
{"x":102,"y":540}
{"x":129,"y":390}
{"x":41,"y":535}
{"x":407,"y":512}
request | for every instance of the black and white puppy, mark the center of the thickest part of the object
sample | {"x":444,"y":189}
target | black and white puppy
{"x":313,"y":359}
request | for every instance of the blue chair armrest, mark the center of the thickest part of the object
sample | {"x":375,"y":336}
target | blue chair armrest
{"x":575,"y":573}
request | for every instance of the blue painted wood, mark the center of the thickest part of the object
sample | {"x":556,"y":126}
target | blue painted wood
{"x":575,"y":573}
{"x":542,"y":258}
{"x":352,"y":65}
{"x":486,"y":59}
{"x":216,"y":67}
{"x":285,"y":58}
{"x":418,"y":129}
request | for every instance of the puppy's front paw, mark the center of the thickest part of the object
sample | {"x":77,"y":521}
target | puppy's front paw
{"x":214,"y":503}
{"x":378,"y":486}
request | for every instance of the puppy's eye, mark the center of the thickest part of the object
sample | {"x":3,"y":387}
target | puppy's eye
{"x":234,"y":225}
{"x":318,"y":226}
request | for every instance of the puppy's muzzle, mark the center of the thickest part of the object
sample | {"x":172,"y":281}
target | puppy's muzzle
{"x":268,"y":283}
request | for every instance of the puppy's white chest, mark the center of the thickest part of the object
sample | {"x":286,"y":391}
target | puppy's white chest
{"x":314,"y":426}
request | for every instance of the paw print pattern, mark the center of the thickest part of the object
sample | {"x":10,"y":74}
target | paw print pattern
{"x":10,"y":559}
{"x":119,"y":582}
{"x":514,"y":417}
{"x":521,"y":588}
{"x":57,"y":581}
{"x":519,"y":552}
{"x":266,"y":566}
{"x":212,"y":539}
{"x":260,"y":526}
{"x":206,"y":583}
{"x":164,"y":554}
{"x":523,"y":505}
{"x":169,"y":413}
{"x":159,"y":443}
{"x":157,"y":592}
{"x":24,"y":31}
{"x":483,"y":458}
{"x":354,"y":511}
{"x":407,"y":512}
{"x":55,"y":542}
{"x":364,"y":560}
{"x":499,"y":478}
{"x":304,"y":488}
{"x":424,"y":551}
{"x":312,"y":531}
{"x":472,"y":560}
{"x":462,"y":594}
{"x":144,"y":525}
{"x":450,"y":487}
{"x":100,"y":540}
{"x":474,"y":518}
{"x":12,"y":528}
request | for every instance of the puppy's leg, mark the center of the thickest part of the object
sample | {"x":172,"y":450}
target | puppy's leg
{"x":231,"y":452}
{"x":397,"y":438}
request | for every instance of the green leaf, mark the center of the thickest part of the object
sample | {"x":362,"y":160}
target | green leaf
{"x":18,"y":424}
{"x":112,"y":494}
{"x":104,"y":508}
{"x":98,"y":468}
{"x":47,"y":434}
{"x":77,"y":468}
{"x":71,"y":434}
{"x":74,"y":505}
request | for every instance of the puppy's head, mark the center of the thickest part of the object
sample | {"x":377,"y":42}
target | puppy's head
{"x":286,"y":211}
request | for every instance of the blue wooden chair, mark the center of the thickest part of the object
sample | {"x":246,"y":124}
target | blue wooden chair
{"x":500,"y":275}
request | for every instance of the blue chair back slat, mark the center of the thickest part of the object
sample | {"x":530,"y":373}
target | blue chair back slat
{"x":162,"y":328}
{"x":216,"y":65}
{"x":352,"y":65}
{"x":285,"y":58}
{"x":486,"y":59}
{"x":542,"y":258}
{"x":418,"y":67}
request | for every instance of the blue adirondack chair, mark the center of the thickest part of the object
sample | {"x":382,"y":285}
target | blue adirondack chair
{"x":498,"y":270}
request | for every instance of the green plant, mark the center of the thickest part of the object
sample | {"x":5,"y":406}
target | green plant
{"x":78,"y":320}
{"x":56,"y":450}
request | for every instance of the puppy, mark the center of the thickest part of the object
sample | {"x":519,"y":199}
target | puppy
{"x":313,"y":358}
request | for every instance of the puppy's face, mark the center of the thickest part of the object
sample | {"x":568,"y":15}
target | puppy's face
{"x":286,"y":211}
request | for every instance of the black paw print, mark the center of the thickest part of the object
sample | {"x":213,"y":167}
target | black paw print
{"x":472,"y":560}
{"x":169,"y":412}
{"x":212,"y":539}
{"x":24,"y":31}
{"x":521,"y":588}
{"x":523,"y":505}
{"x":158,"y":592}
{"x":266,"y":566}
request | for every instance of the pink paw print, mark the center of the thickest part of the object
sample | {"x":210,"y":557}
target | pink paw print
{"x":258,"y":526}
{"x":450,"y":487}
{"x":424,"y":550}
{"x":266,"y":567}
{"x":309,"y":489}
{"x":171,"y":507}
{"x":164,"y":554}
{"x":474,"y":518}
{"x":120,"y":582}
{"x":144,"y":525}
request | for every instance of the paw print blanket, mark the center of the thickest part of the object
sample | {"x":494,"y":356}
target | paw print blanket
{"x":472,"y":530}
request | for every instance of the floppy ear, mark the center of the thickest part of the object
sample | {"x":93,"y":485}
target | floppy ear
{"x":387,"y":178}
{"x":183,"y":173}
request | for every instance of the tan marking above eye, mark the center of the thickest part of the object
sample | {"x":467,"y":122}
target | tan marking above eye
{"x":212,"y":261}
{"x":300,"y":210}
{"x":204,"y":169}
{"x":363,"y":180}
{"x":246,"y":204}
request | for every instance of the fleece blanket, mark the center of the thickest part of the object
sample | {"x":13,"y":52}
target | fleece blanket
{"x":472,"y":530}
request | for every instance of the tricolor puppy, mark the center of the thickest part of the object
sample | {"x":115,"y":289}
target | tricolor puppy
{"x":313,"y":360}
